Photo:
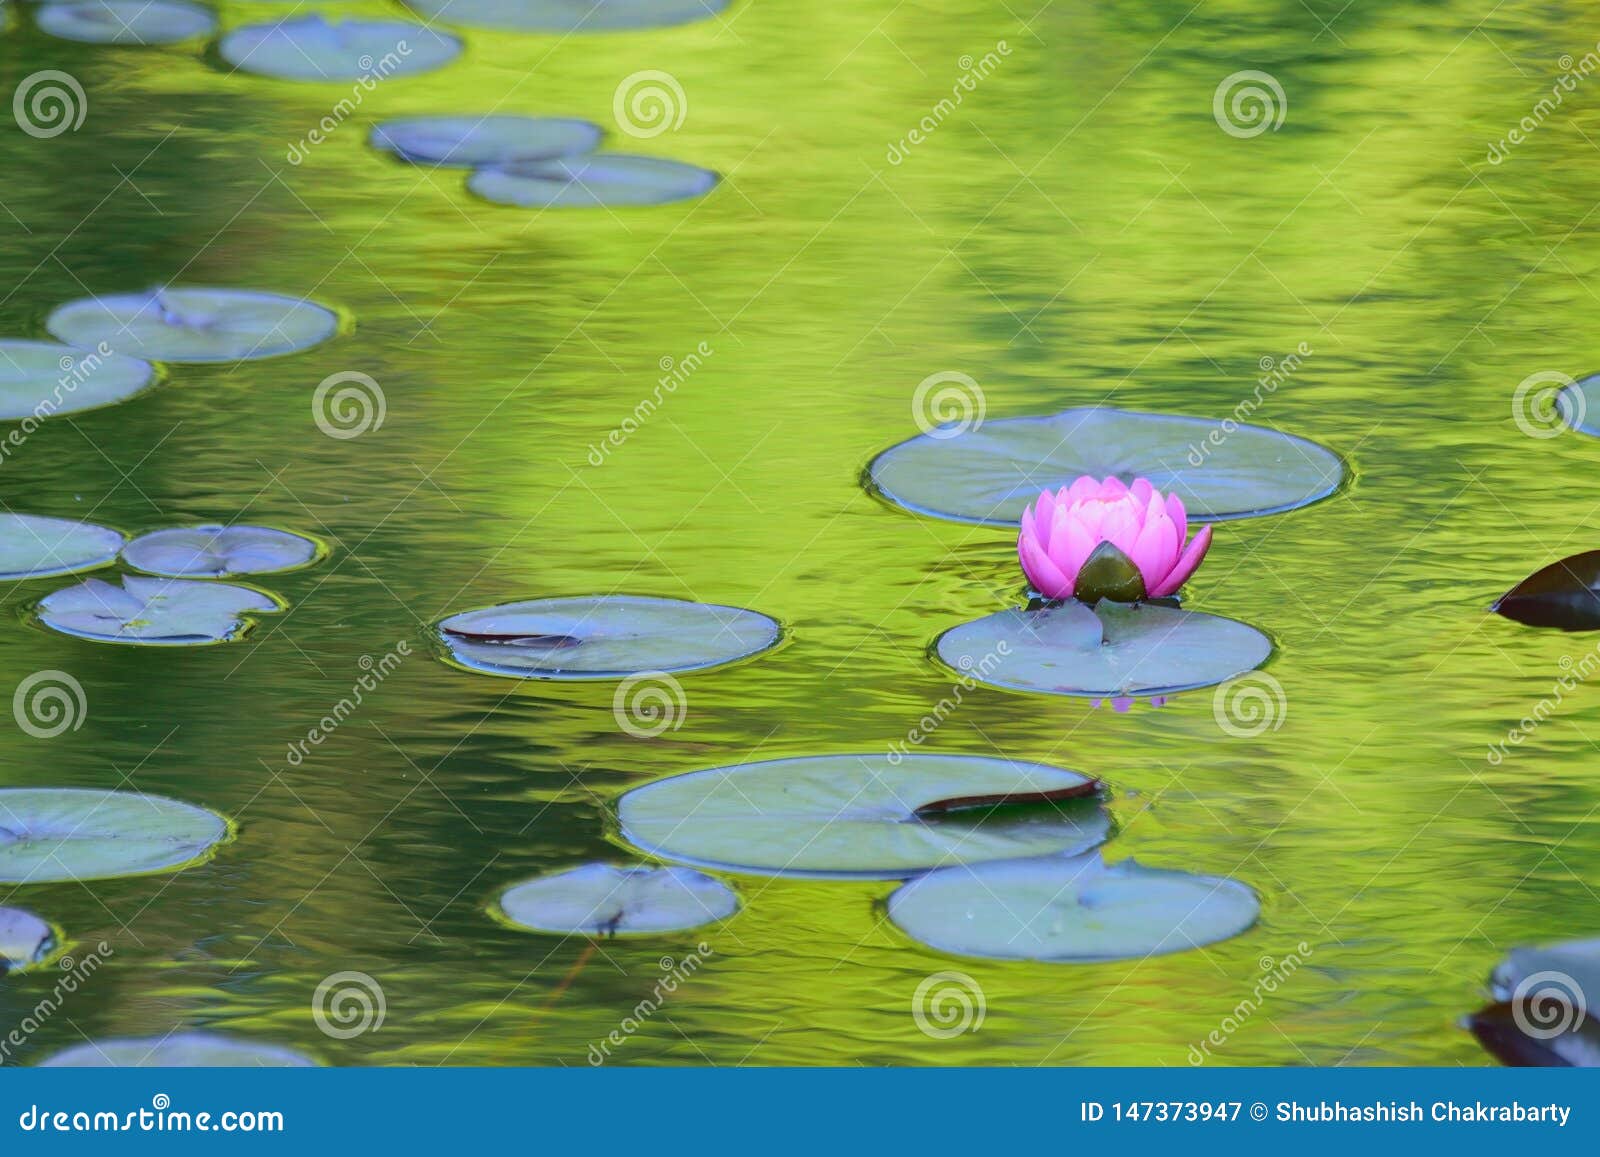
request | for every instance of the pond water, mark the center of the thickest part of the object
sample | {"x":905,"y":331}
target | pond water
{"x":1078,"y":231}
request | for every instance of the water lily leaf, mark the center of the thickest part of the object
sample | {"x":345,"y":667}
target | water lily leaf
{"x":1503,"y":1030}
{"x":604,"y":637}
{"x":158,"y":612}
{"x":41,"y":378}
{"x":597,"y":179}
{"x":32,"y":546}
{"x":194,"y":325}
{"x":183,"y":1050}
{"x":860,"y":816}
{"x":58,"y":833}
{"x":1554,"y":988}
{"x":217,"y":551}
{"x":1565,"y":595}
{"x":989,"y":473}
{"x":1578,"y":405}
{"x":24,"y":939}
{"x":484,"y":140}
{"x":314,"y":48}
{"x":567,"y":15}
{"x":1070,"y":909}
{"x":603,"y":900}
{"x":124,"y":21}
{"x":1107,"y":651}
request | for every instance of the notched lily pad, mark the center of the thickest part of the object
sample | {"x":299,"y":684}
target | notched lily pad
{"x":603,"y":900}
{"x":604,"y":637}
{"x":33,"y":546}
{"x":194,"y":325}
{"x":159,"y":612}
{"x":1564,"y":595}
{"x":218,"y":551}
{"x":1070,"y":909}
{"x":39,"y":379}
{"x":183,"y":1050}
{"x":1111,"y":650}
{"x":484,"y":140}
{"x":988,"y":474}
{"x":316,"y":49}
{"x":879,"y":816}
{"x":567,"y":15}
{"x":125,"y":22}
{"x":598,"y":179}
{"x":58,"y":833}
{"x":25,"y":939}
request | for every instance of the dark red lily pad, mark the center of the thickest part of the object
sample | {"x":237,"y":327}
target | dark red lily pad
{"x":1564,"y":595}
{"x":960,"y":803}
{"x":1500,"y":1030}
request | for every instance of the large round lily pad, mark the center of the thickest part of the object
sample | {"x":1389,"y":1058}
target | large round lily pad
{"x":597,"y":179}
{"x":568,"y":15}
{"x":58,"y":833}
{"x":33,"y":546}
{"x":602,"y":900}
{"x":41,"y":378}
{"x":470,"y":141}
{"x":219,"y":551}
{"x":1070,"y":909}
{"x":989,"y":473}
{"x":24,"y":939}
{"x":1569,"y":971}
{"x":1109,"y":650}
{"x":159,"y":612}
{"x":130,"y":22}
{"x":314,"y":48}
{"x":604,"y":637}
{"x":194,"y":325}
{"x":876,"y":816}
{"x":183,"y":1050}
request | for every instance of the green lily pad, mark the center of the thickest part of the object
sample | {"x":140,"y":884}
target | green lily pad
{"x":159,"y":612}
{"x":32,"y":546}
{"x":597,"y":179}
{"x":219,"y":551}
{"x":470,"y":141}
{"x":59,"y":833}
{"x":567,"y":15}
{"x":313,"y":48}
{"x":1558,"y":973}
{"x":24,"y":939}
{"x":128,"y":22}
{"x":603,"y":900}
{"x":194,"y":325}
{"x":41,"y":378}
{"x":183,"y":1050}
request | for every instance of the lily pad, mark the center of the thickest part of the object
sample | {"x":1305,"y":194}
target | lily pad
{"x":1565,"y":595}
{"x":989,"y":473}
{"x":24,"y":939}
{"x":219,"y":551}
{"x":1558,"y":973}
{"x":124,"y":21}
{"x":1578,"y":403}
{"x":870,"y":816}
{"x":604,"y":637}
{"x":41,"y":378}
{"x":58,"y":833}
{"x":183,"y":1050}
{"x":466,"y":142}
{"x":1070,"y":909}
{"x":33,"y":546}
{"x":1503,"y":1029}
{"x":156,"y":612}
{"x":313,"y":48}
{"x":597,"y":179}
{"x":568,"y":15}
{"x":1107,"y":651}
{"x":194,"y":325}
{"x":602,"y":900}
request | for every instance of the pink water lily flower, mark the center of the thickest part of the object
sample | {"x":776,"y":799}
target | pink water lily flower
{"x":1095,"y":540}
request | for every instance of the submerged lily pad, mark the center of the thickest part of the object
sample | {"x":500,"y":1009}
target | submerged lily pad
{"x":124,"y":21}
{"x":33,"y":546}
{"x":1070,"y":909}
{"x":877,"y":816}
{"x":183,"y":1050}
{"x":597,"y":179}
{"x":484,"y":140}
{"x":59,"y":833}
{"x":989,"y":473}
{"x":24,"y":939}
{"x":602,"y":900}
{"x":1565,"y":595}
{"x":1109,"y":650}
{"x":194,"y":325}
{"x":218,"y":551}
{"x":41,"y":378}
{"x":604,"y":637}
{"x":158,"y":612}
{"x":568,"y":15}
{"x":314,"y":48}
